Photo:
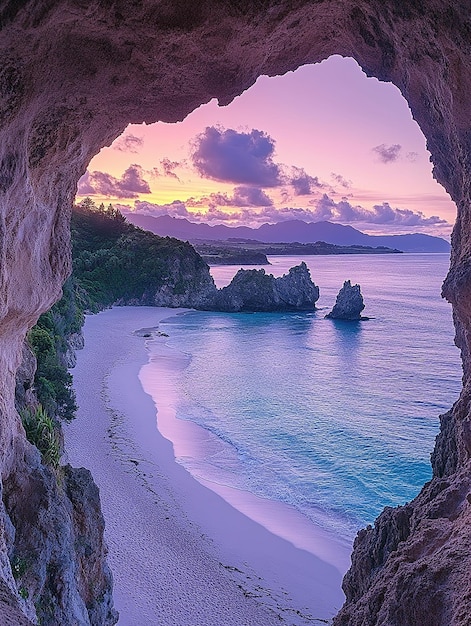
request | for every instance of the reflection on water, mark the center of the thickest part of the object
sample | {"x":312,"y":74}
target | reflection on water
{"x":335,"y":418}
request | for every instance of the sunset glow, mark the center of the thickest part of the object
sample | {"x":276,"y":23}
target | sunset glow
{"x":338,"y":145}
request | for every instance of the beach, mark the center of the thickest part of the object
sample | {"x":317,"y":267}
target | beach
{"x":182,"y":554}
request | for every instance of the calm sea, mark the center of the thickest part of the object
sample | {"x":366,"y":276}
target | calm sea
{"x":336,"y":419}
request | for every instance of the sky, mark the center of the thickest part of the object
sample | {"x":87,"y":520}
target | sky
{"x":322,"y":143}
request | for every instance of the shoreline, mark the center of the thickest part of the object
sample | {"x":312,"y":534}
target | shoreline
{"x":180,"y":554}
{"x":193,"y":443}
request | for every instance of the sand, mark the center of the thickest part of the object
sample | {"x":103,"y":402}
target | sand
{"x":180,"y":553}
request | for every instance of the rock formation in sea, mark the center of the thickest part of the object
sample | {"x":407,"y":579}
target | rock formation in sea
{"x":72,"y":77}
{"x":255,"y":290}
{"x":349,"y":303}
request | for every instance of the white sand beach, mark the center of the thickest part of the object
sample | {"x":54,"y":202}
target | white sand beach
{"x":181,"y":555}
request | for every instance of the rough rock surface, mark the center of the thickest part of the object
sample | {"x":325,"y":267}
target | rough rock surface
{"x":54,"y":531}
{"x":349,"y":303}
{"x":50,"y":515}
{"x":11,"y":612}
{"x":189,"y":284}
{"x":254,"y":290}
{"x":24,"y":392}
{"x":75,"y":342}
{"x":74,"y":74}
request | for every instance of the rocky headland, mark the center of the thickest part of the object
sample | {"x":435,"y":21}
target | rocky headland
{"x":348,"y":305}
{"x":236,"y":251}
{"x":221,"y":253}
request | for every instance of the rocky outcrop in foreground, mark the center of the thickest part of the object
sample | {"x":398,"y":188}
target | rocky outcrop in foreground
{"x":54,"y":532}
{"x":254,"y":290}
{"x":412,"y":567}
{"x":56,"y":545}
{"x":349,"y":304}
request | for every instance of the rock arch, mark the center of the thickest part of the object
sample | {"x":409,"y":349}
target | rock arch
{"x":74,"y":73}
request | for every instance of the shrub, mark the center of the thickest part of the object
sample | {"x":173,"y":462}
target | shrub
{"x":42,"y":432}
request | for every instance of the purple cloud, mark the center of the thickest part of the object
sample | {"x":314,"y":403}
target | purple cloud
{"x":251,"y":196}
{"x":302,"y":183}
{"x":129,"y":185}
{"x":412,"y":156}
{"x":176,"y":208}
{"x":344,"y":211}
{"x":169,"y":166}
{"x":242,"y":197}
{"x":322,"y":209}
{"x":85,"y":185}
{"x":388,"y":154}
{"x":325,"y":208}
{"x":236,"y":157}
{"x":128,"y":143}
{"x":340,"y":180}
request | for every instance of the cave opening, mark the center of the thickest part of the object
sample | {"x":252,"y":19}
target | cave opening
{"x":72,"y":79}
{"x":363,"y":163}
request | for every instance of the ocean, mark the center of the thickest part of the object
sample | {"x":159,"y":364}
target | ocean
{"x":335,"y":419}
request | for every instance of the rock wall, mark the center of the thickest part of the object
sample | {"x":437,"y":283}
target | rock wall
{"x":188,"y":284}
{"x":54,"y":531}
{"x":75,"y":73}
{"x":254,"y":290}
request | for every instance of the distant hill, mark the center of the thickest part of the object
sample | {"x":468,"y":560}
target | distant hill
{"x":287,"y":232}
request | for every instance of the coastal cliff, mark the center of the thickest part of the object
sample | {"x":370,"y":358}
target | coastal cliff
{"x":54,"y":543}
{"x":116,"y":264}
{"x":73,"y":76}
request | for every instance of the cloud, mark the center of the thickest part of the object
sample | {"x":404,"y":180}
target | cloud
{"x":169,"y":166}
{"x":236,"y":157}
{"x":340,"y":180}
{"x":85,"y":185}
{"x":129,"y":185}
{"x":246,"y":158}
{"x":177,"y":208}
{"x":250,"y":196}
{"x":385,"y":214}
{"x":128,"y":143}
{"x":412,"y":156}
{"x":242,"y":197}
{"x":302,"y":183}
{"x":325,"y":208}
{"x":388,"y":154}
{"x":344,"y":211}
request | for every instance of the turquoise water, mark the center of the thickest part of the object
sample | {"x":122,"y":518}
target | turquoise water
{"x":336,"y":419}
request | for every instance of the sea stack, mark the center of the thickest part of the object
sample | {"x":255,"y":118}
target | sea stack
{"x":349,"y":304}
{"x":254,"y":290}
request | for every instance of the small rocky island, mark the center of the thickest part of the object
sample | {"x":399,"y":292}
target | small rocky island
{"x":349,"y":304}
{"x":255,"y":290}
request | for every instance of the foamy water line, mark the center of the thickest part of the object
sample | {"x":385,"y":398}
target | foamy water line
{"x":332,"y":421}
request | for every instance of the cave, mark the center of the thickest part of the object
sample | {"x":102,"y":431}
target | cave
{"x":73,"y":76}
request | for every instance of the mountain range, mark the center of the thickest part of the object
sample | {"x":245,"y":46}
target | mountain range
{"x":286,"y":232}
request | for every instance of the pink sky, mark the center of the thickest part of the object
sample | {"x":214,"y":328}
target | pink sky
{"x":324,"y":142}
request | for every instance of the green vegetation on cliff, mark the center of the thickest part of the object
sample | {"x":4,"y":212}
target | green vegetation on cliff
{"x":114,"y":262}
{"x":42,"y":431}
{"x":49,"y":342}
